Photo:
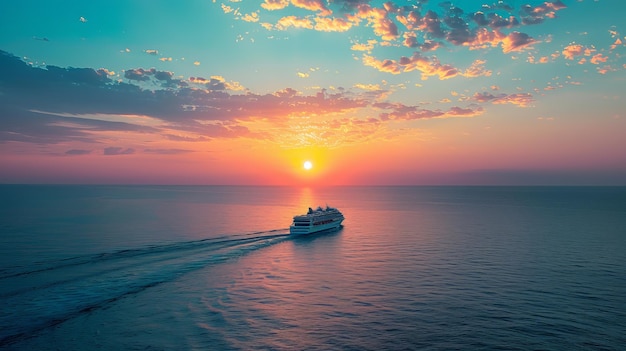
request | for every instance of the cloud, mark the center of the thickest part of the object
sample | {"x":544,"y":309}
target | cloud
{"x":53,"y":105}
{"x":419,"y":26}
{"x":250,"y":17}
{"x":431,"y":24}
{"x":332,"y":133}
{"x":368,"y":87}
{"x":477,"y":69}
{"x":378,"y":18}
{"x":512,"y":42}
{"x":497,"y":22}
{"x":167,"y":151}
{"x":368,"y":46}
{"x":464,"y":112}
{"x":428,"y":66}
{"x":325,"y":24}
{"x":138,"y":74}
{"x":115,"y":151}
{"x":516,"y":41}
{"x":401,"y":112}
{"x":598,"y":58}
{"x":605,"y":69}
{"x":546,"y":9}
{"x":519,"y":99}
{"x":573,"y":50}
{"x":618,"y":42}
{"x":227,"y":9}
{"x":275,"y":4}
{"x":293,"y":21}
{"x":185,"y":138}
{"x":77,"y":152}
{"x":312,"y":5}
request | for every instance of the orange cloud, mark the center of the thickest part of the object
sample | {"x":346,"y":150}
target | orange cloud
{"x":618,"y":42}
{"x":571,"y":51}
{"x":426,"y":65}
{"x":293,"y":21}
{"x":312,"y":5}
{"x":325,"y":24}
{"x":383,"y":27}
{"x":512,"y":42}
{"x":598,"y":58}
{"x":275,"y":4}
{"x":250,"y":17}
{"x":389,"y":66}
{"x":516,"y":41}
{"x":364,"y":47}
{"x":477,"y":69}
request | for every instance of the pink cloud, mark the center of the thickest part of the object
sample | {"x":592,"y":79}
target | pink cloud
{"x":428,"y":66}
{"x":464,"y":112}
{"x":401,"y":112}
{"x":519,"y":99}
{"x":606,"y":69}
{"x":514,"y":41}
{"x":598,"y":58}
{"x":430,"y":23}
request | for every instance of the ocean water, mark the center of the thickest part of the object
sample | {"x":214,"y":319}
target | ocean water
{"x":213,"y":268}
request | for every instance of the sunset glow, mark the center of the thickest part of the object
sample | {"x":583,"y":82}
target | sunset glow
{"x":370,"y":92}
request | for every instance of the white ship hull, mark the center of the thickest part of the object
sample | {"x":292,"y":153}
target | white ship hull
{"x":303,"y":230}
{"x":316,"y":221}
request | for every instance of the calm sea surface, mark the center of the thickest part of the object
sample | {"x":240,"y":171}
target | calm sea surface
{"x":213,"y":268}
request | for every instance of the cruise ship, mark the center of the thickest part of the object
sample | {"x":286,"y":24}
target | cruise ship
{"x":316,"y":221}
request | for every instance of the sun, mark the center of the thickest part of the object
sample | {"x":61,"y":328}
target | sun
{"x":307,"y":165}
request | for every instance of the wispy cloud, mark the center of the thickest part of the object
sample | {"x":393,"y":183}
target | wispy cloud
{"x":77,"y":152}
{"x":167,"y":151}
{"x":116,"y":151}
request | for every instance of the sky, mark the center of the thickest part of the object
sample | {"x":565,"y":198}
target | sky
{"x":369,"y":92}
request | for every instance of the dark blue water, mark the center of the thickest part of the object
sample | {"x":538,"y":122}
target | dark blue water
{"x":413,"y":268}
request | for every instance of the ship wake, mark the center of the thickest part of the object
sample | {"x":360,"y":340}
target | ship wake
{"x":49,"y":293}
